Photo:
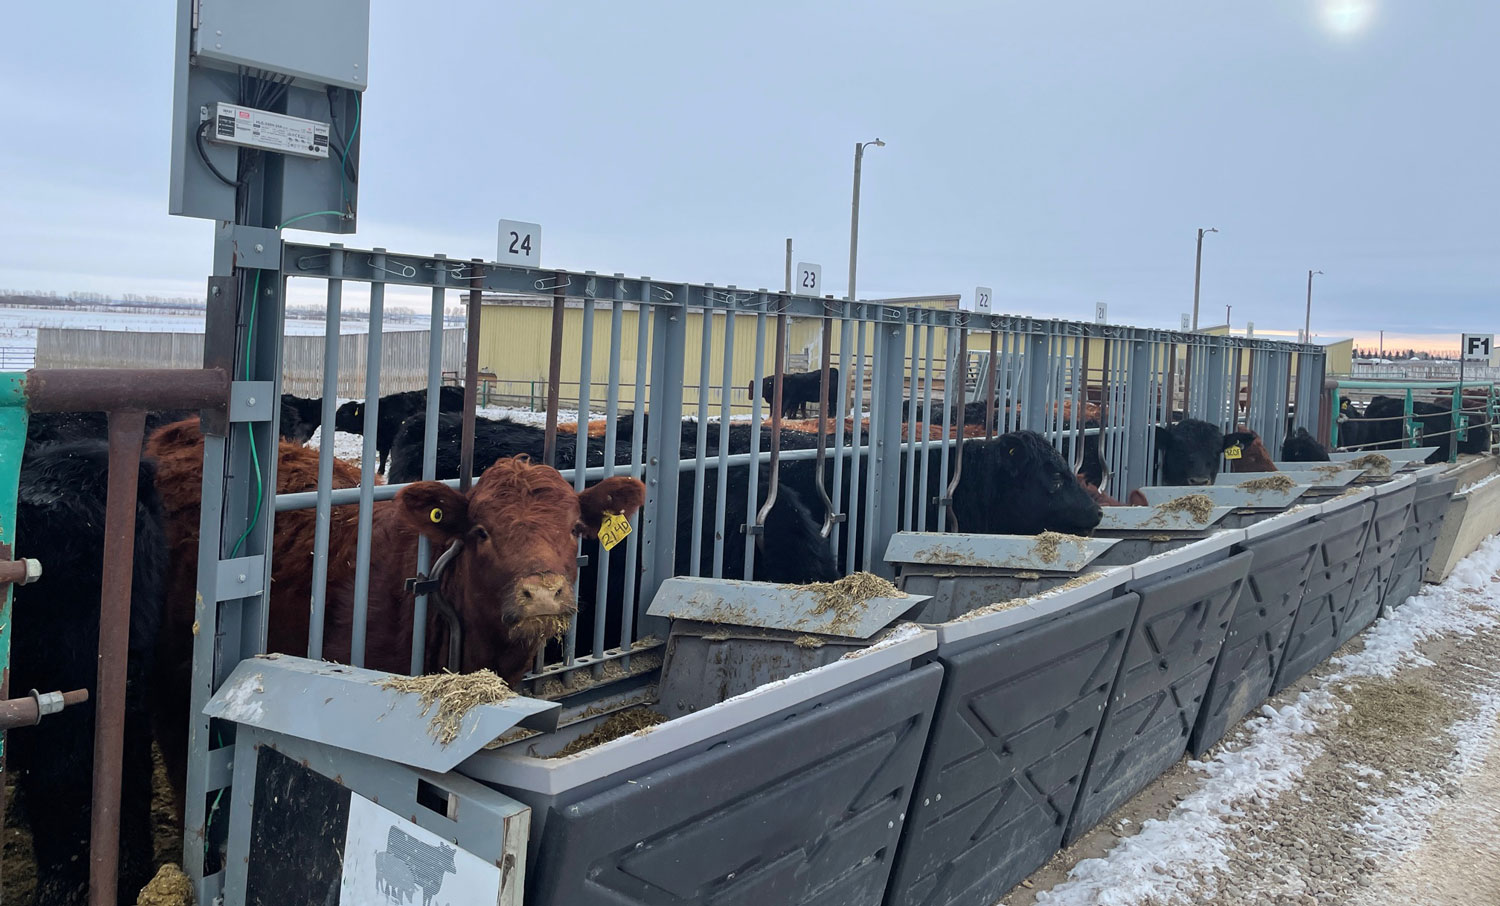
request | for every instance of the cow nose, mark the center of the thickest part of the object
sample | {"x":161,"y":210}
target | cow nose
{"x":546,"y":594}
{"x":1199,"y":482}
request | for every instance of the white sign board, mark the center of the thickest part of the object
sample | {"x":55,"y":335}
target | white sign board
{"x":388,"y":859}
{"x":520,"y":243}
{"x":1187,"y":321}
{"x":808,"y":279}
{"x":1478,"y":347}
{"x":982,"y":302}
{"x":1249,"y":328}
{"x":1101,"y":313}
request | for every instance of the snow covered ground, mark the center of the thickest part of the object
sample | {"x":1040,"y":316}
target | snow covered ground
{"x":1373,"y":782}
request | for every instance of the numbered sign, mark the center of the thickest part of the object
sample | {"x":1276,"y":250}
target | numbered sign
{"x":807,"y":279}
{"x":520,"y":243}
{"x":1101,"y":313}
{"x":1478,"y":347}
{"x":982,"y":298}
{"x":1187,"y":321}
{"x":1249,"y":328}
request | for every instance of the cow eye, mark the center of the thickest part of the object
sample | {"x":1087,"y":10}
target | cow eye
{"x":480,"y":534}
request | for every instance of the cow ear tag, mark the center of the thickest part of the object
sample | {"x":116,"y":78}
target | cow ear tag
{"x":436,"y":515}
{"x":616,"y":528}
{"x":1233,"y":452}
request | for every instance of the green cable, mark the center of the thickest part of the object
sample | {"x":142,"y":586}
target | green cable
{"x":260,"y":486}
{"x":313,"y":214}
{"x":344,"y":158}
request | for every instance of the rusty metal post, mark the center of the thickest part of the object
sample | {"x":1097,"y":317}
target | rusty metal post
{"x":127,"y":430}
{"x":554,"y":378}
{"x":471,"y":379}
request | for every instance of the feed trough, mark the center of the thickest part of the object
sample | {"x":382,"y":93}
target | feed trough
{"x":1412,"y":456}
{"x":1249,"y":505}
{"x":1323,"y":479}
{"x":1430,"y":502}
{"x":1146,"y":531}
{"x":1393,"y":501}
{"x":960,"y":573}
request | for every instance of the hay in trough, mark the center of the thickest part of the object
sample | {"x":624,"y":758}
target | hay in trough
{"x":1270,"y":483}
{"x":1376,"y":463}
{"x":1198,"y":506}
{"x":808,"y":641}
{"x":455,"y":694}
{"x":170,"y":887}
{"x":613,"y":727}
{"x":1047,"y":544}
{"x":845,"y":598}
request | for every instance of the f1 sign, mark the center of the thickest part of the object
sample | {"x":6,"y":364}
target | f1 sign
{"x":1478,"y":347}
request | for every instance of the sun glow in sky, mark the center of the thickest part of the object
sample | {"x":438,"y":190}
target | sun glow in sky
{"x":1346,"y":18}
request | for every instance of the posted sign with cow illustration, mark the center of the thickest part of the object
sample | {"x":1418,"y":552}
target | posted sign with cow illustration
{"x":389,"y":861}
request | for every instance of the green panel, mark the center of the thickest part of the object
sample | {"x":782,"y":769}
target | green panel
{"x":12,"y":445}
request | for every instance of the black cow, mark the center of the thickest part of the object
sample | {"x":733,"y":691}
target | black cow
{"x":300,"y":417}
{"x":1382,"y":427}
{"x":792,"y":550}
{"x":394,"y":409}
{"x":1302,"y":447}
{"x":1188,"y":452}
{"x":1017,"y":484}
{"x":60,"y":522}
{"x":797,"y":390}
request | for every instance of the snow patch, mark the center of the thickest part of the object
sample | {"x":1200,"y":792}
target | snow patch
{"x":1476,"y":485}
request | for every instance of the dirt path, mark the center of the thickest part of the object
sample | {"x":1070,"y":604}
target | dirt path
{"x":1373,"y":782}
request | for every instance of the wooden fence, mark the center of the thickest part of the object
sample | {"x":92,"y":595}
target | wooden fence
{"x":403,"y":356}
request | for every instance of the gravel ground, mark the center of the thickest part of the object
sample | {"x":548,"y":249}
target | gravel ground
{"x":1373,"y":782}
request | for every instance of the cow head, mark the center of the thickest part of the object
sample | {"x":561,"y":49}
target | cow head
{"x":512,"y":581}
{"x":1303,"y":447}
{"x":1189,"y":452}
{"x":1043,"y":487}
{"x":350,"y":417}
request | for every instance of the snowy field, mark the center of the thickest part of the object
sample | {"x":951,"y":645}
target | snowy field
{"x":1373,"y":782}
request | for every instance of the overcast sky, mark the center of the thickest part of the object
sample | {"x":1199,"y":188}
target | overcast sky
{"x":1062,"y":152}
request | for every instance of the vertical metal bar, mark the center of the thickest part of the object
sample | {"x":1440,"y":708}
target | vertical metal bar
{"x":884,"y":513}
{"x":666,"y":425}
{"x":331,"y":322}
{"x":752,"y":474}
{"x":126,"y":435}
{"x":921,"y":496}
{"x":554,"y":369}
{"x":825,"y":395}
{"x":908,"y":454}
{"x":471,"y":376}
{"x":953,"y":389}
{"x":777,"y":408}
{"x":1138,"y":406}
{"x":951,"y":487}
{"x":205,"y":645}
{"x":839,"y":502}
{"x":611,"y":433}
{"x":880,"y":368}
{"x":860,"y":434}
{"x":633,"y":564}
{"x":366,"y":474}
{"x":726,"y":389}
{"x":993,"y":382}
{"x":429,"y":456}
{"x":581,"y":451}
{"x":700,"y":447}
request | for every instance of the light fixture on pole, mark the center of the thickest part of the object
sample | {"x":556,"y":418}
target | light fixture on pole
{"x":859,"y":156}
{"x":1307,"y":324}
{"x":1198,"y":271}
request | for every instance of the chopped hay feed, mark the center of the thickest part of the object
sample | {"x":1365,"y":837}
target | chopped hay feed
{"x":170,"y":887}
{"x":808,"y":641}
{"x":455,"y":694}
{"x":846,"y":597}
{"x":1270,"y":483}
{"x":1047,"y":545}
{"x":1376,"y":463}
{"x":623,"y":723}
{"x":1199,"y":506}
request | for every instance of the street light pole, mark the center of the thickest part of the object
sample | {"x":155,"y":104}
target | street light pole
{"x":1198,"y":271}
{"x":1307,"y":324}
{"x":859,"y":156}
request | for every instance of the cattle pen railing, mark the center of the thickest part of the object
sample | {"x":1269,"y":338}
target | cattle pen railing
{"x":125,"y":395}
{"x":1467,"y":406}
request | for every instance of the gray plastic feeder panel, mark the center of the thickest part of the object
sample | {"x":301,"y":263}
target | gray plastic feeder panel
{"x":790,"y":607}
{"x":1020,"y":552}
{"x":1223,"y":495}
{"x":1168,"y":662}
{"x":1429,"y":506}
{"x":706,"y":664}
{"x":346,"y":707}
{"x":1382,"y":542}
{"x":1131,"y":521}
{"x":807,"y":809}
{"x":1257,"y":636}
{"x":1398,"y":458}
{"x":1134,"y":550}
{"x":1012,"y":733}
{"x":954,"y":591}
{"x":1320,"y":616}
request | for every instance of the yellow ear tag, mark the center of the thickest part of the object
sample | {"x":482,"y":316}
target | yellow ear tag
{"x":1233,"y":452}
{"x":436,"y":515}
{"x":616,"y":528}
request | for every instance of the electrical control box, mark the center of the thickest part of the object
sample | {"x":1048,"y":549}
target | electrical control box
{"x":253,"y":128}
{"x":327,"y":42}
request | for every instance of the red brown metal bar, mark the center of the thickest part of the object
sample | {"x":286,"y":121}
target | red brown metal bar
{"x":825,"y":396}
{"x":765,"y":508}
{"x":127,"y":430}
{"x":27,"y":712}
{"x":554,"y":373}
{"x":109,"y":389}
{"x":471,"y":379}
{"x":958,"y":443}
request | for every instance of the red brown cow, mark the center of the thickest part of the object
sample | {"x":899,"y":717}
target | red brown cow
{"x":1254,"y":457}
{"x":1097,"y":495}
{"x":510,"y":581}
